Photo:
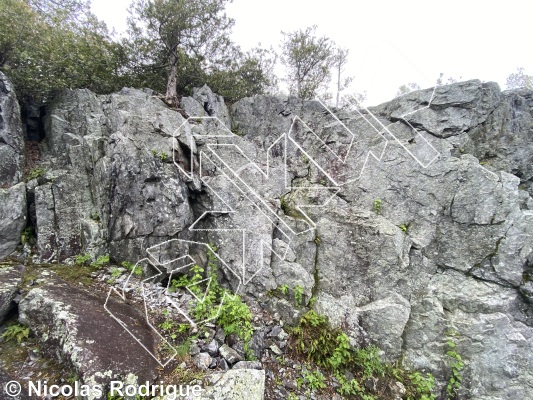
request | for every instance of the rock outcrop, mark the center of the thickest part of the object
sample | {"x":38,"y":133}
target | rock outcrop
{"x":11,"y":137}
{"x":73,"y":326}
{"x":10,"y":280}
{"x":409,"y":224}
{"x":12,"y":190}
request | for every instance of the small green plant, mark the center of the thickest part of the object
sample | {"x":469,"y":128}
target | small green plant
{"x":115,"y":273}
{"x":137,"y":270}
{"x":305,"y":159}
{"x":368,"y":358}
{"x":284,"y":289}
{"x":317,"y":240}
{"x":456,"y":365}
{"x":348,"y":387}
{"x":154,"y":152}
{"x":163,"y":156}
{"x":28,"y":236}
{"x":235,"y":317}
{"x":423,"y":384}
{"x":35,"y":173}
{"x":82,"y":259}
{"x":16,"y":332}
{"x":167,"y":325}
{"x":100,"y":262}
{"x":315,"y":380}
{"x":377,"y":206}
{"x":230,"y":312}
{"x":403,"y":227}
{"x":298,"y":295}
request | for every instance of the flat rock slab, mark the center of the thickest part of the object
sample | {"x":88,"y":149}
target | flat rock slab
{"x":10,"y":279}
{"x":74,"y":326}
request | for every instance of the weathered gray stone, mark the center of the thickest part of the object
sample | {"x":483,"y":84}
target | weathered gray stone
{"x":10,"y":279}
{"x":112,"y":183}
{"x":73,"y":326}
{"x":240,"y":384}
{"x":503,"y":141}
{"x":12,"y":217}
{"x":230,"y":355}
{"x":419,"y":240}
{"x":212,"y":104}
{"x":11,"y":135}
{"x":203,"y":360}
{"x":248,"y":365}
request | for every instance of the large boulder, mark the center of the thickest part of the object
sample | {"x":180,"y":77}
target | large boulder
{"x":11,"y":136}
{"x":74,"y":327}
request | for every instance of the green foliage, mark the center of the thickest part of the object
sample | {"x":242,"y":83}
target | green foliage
{"x":377,"y":206}
{"x":316,"y":339}
{"x":82,"y":259}
{"x":100,"y":262}
{"x":137,"y":270}
{"x":28,"y":236}
{"x":169,"y":32}
{"x":163,"y":156}
{"x":298,"y":295}
{"x":46,"y":47}
{"x":403,"y":227}
{"x":423,"y":384}
{"x":456,"y":366}
{"x":284,"y":289}
{"x":231,"y":313}
{"x":35,"y":173}
{"x":369,"y":359}
{"x":330,"y":348}
{"x":236,"y":317}
{"x":309,"y":60}
{"x":115,"y":273}
{"x":349,"y":387}
{"x":16,"y":332}
{"x":315,"y":380}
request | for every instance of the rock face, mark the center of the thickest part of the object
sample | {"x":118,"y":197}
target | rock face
{"x":12,"y":217}
{"x":12,"y":191}
{"x":110,"y":180}
{"x":74,"y":326}
{"x":11,"y":138}
{"x":10,"y":279}
{"x":409,"y":224}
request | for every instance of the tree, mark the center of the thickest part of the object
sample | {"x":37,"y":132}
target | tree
{"x":246,"y":74}
{"x":340,"y":59}
{"x":308,"y":59}
{"x":173,"y":30}
{"x":46,"y":53}
{"x":404,"y":89}
{"x":519,"y":80}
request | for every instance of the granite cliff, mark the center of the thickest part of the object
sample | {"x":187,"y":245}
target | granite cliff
{"x":409,"y":224}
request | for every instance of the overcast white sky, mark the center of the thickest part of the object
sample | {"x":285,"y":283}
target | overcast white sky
{"x":391,"y":42}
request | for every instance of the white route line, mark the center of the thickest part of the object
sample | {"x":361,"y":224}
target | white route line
{"x":250,"y":194}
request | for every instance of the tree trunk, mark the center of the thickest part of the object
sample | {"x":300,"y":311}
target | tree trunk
{"x":338,"y":85}
{"x":172,"y":82}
